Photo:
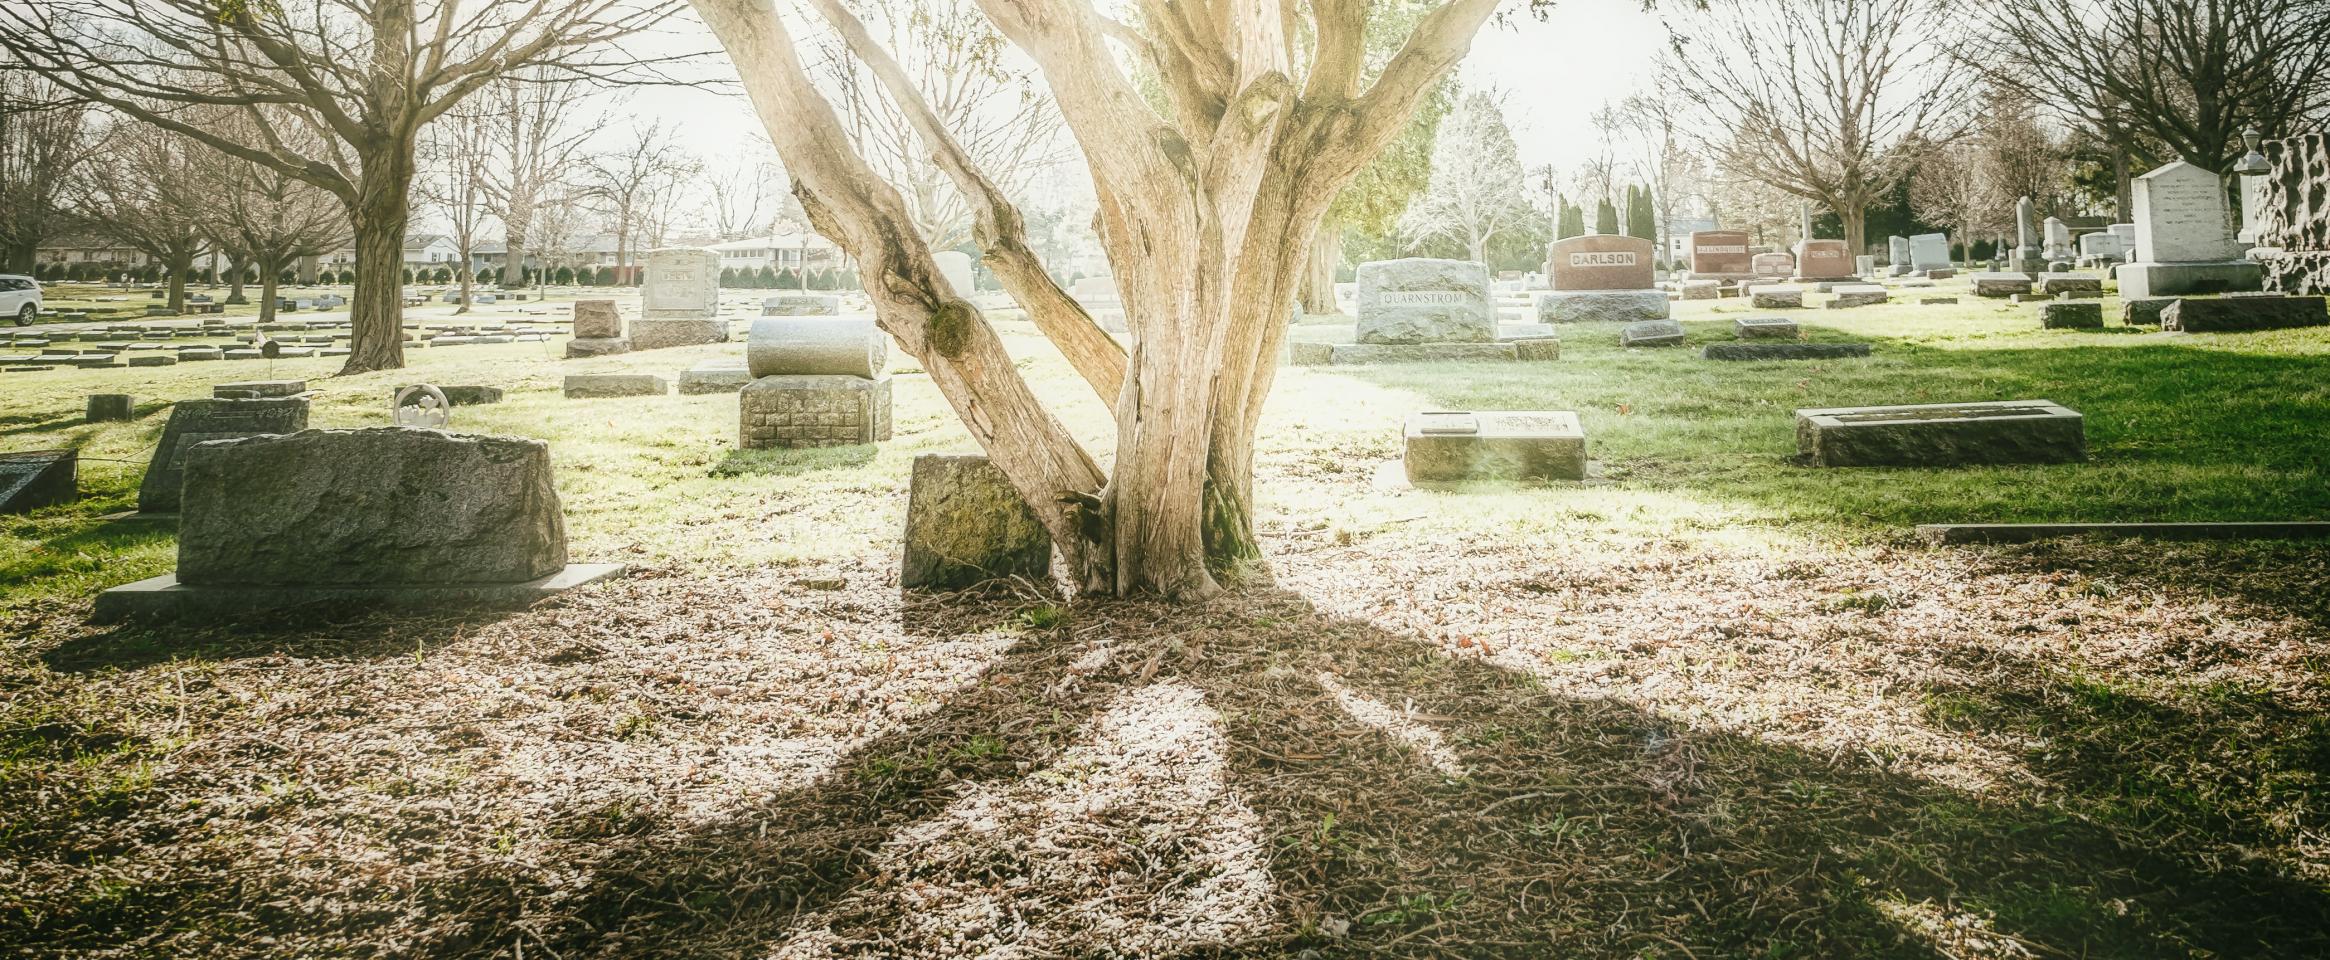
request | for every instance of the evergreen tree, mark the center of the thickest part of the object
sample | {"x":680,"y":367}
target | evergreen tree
{"x":1572,"y":222}
{"x":1641,"y":217}
{"x":1605,"y":217}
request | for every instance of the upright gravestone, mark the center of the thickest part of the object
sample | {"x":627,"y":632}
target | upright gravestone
{"x":1775,"y":266}
{"x":1720,"y":255}
{"x":33,"y":479}
{"x":966,"y":525}
{"x":2058,"y":240}
{"x":1897,"y":255}
{"x":1420,"y":301}
{"x":1818,"y":260}
{"x":955,"y":267}
{"x":816,"y":382}
{"x":598,"y":330}
{"x":2184,"y":238}
{"x":2027,"y":258}
{"x":2100,"y":247}
{"x":1603,"y":278}
{"x":1929,"y":252}
{"x":197,"y":421}
{"x":680,"y":303}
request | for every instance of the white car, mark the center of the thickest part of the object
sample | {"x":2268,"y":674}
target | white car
{"x":19,"y":298}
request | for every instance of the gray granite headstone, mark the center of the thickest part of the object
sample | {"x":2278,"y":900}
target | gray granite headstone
{"x":198,"y":421}
{"x":1421,"y":300}
{"x":38,"y":478}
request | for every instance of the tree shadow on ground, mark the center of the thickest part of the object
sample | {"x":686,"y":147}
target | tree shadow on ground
{"x":1580,"y":827}
{"x":338,"y":631}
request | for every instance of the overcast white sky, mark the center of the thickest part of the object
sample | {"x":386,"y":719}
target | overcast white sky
{"x":1555,"y":73}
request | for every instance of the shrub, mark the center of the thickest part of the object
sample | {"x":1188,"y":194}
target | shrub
{"x":563,"y":276}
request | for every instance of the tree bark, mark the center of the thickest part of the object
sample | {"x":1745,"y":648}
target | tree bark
{"x":376,"y":307}
{"x":22,"y":256}
{"x":270,"y":273}
{"x":181,"y":264}
{"x":1318,"y":293}
{"x":235,"y":268}
{"x":1856,"y":223}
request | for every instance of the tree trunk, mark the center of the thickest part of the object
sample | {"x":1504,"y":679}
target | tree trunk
{"x":22,"y":256}
{"x":376,"y":307}
{"x":181,"y":264}
{"x":466,"y":278}
{"x":235,"y":268}
{"x":2123,"y":188}
{"x":1856,"y":222}
{"x":1318,"y":294}
{"x":270,"y":273}
{"x":514,"y":259}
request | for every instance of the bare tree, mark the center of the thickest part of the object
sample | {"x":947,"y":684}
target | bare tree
{"x":259,"y":215}
{"x":45,"y":134}
{"x":1651,"y":126}
{"x":627,"y":181}
{"x":1958,"y":185}
{"x":536,"y":141}
{"x":454,"y":154}
{"x":363,"y":75}
{"x":745,"y":197}
{"x":2186,"y":75}
{"x":996,"y":111}
{"x":139,"y":194}
{"x":1475,"y":191}
{"x":1211,"y":188}
{"x":1816,"y":96}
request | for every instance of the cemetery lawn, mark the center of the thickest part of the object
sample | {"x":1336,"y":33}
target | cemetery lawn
{"x":1707,"y":704}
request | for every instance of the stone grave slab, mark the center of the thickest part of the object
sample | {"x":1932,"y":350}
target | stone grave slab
{"x":197,"y":421}
{"x":2144,"y":312}
{"x":2001,"y":284}
{"x":1777,"y":298}
{"x":1365,"y":353}
{"x":599,"y":385}
{"x":2060,"y":285}
{"x":2243,"y":314}
{"x":1603,"y":306}
{"x":1848,"y":295}
{"x":2072,"y":315}
{"x":1702,"y":289}
{"x":714,"y":376}
{"x":1783,"y":351}
{"x":1941,"y":434}
{"x":258,"y":389}
{"x":1419,"y":300}
{"x":1309,"y":353}
{"x":1651,"y":333}
{"x":596,"y":347}
{"x":32,"y":479}
{"x":656,"y":333}
{"x":966,"y":525}
{"x":1536,"y":349}
{"x":105,"y":407}
{"x":1765,"y":328}
{"x":1505,"y":446}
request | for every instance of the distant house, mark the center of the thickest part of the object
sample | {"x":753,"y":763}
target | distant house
{"x":590,"y":252}
{"x":430,"y":250}
{"x":1679,"y":231}
{"x":99,"y":255}
{"x":781,"y":251}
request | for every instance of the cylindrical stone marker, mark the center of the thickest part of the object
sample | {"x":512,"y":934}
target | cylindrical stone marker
{"x":112,"y":406}
{"x":815,"y":346}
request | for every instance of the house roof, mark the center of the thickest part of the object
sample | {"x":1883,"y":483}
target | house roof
{"x":779,"y":241}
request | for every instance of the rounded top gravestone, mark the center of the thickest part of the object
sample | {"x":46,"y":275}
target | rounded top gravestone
{"x":1420,"y":300}
{"x":815,"y":346}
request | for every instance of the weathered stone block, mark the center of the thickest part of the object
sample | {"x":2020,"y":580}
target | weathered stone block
{"x":813,"y":411}
{"x":1603,"y":306}
{"x":597,"y":347}
{"x":1765,"y":328}
{"x":1651,"y":333}
{"x":2071,"y":315}
{"x":2144,"y":312}
{"x":154,"y":360}
{"x":111,"y":406}
{"x":1536,"y":348}
{"x":1938,"y":301}
{"x":1349,"y":353}
{"x":1783,"y":351}
{"x":1941,"y":434}
{"x":656,"y":333}
{"x":2143,"y":280}
{"x":965,"y":525}
{"x":1455,"y":446}
{"x":714,"y":376}
{"x":2032,"y":298}
{"x":1777,"y":298}
{"x":32,"y":479}
{"x":1308,"y":353}
{"x":2001,"y":284}
{"x":2239,"y":314}
{"x":1420,"y":300}
{"x":197,"y":421}
{"x":378,"y":505}
{"x":2059,"y":285}
{"x":591,"y":385}
{"x":1702,"y":289}
{"x":597,"y":320}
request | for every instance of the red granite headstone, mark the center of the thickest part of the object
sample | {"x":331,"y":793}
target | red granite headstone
{"x":1823,"y":260}
{"x":1605,"y":262}
{"x":1720,"y":253}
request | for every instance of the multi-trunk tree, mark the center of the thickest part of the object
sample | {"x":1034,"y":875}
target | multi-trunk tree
{"x":259,"y":215}
{"x":535,"y":141}
{"x":138,"y":193}
{"x":1815,"y":97}
{"x":367,"y":74}
{"x":45,"y":135}
{"x":1214,"y":163}
{"x":1475,"y":191}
